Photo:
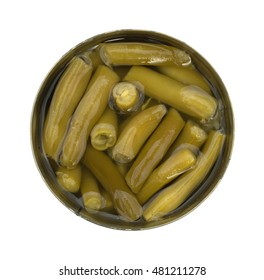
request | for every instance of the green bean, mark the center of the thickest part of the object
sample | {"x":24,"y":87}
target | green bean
{"x":91,"y":196}
{"x":113,"y":182}
{"x":174,"y":195}
{"x":185,"y":75}
{"x":178,"y":163}
{"x":104,"y":133}
{"x":154,"y":150}
{"x":125,"y":97}
{"x":88,"y":112}
{"x":142,"y":54}
{"x":136,"y":132}
{"x":69,"y":179}
{"x":68,"y":92}
{"x":191,"y":134}
{"x":190,"y":100}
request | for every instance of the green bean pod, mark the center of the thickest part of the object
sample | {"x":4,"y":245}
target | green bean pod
{"x":114,"y":183}
{"x":70,"y":179}
{"x":68,"y":93}
{"x":104,"y":133}
{"x":178,"y":163}
{"x":91,"y":196}
{"x":126,"y":97}
{"x":191,"y":134}
{"x":154,"y":150}
{"x":190,"y":100}
{"x":142,"y":54}
{"x":136,"y":132}
{"x":88,"y":112}
{"x":185,"y":75}
{"x":174,"y":195}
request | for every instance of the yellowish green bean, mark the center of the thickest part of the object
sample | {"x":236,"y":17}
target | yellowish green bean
{"x":125,"y":97}
{"x":104,"y":133}
{"x":136,"y":132}
{"x":67,"y":95}
{"x":70,"y":179}
{"x":174,"y":195}
{"x":142,"y":54}
{"x":185,"y":75}
{"x":91,"y":196}
{"x":189,"y":99}
{"x":191,"y":134}
{"x":178,"y":163}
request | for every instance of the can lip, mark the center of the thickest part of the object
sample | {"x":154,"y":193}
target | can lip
{"x":37,"y":121}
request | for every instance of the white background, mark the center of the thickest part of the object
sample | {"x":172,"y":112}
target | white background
{"x":38,"y":235}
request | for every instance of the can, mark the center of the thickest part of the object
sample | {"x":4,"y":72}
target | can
{"x":73,"y":202}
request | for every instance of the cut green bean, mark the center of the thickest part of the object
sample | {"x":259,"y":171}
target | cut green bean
{"x":104,"y":133}
{"x":136,"y":132}
{"x":68,"y":93}
{"x":125,"y":97}
{"x":154,"y":150}
{"x":142,"y":54}
{"x":88,"y":112}
{"x":114,"y":183}
{"x":178,"y":163}
{"x":91,"y":196}
{"x":185,"y":75}
{"x":174,"y":195}
{"x":190,"y":100}
{"x":70,"y":179}
{"x":191,"y":134}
